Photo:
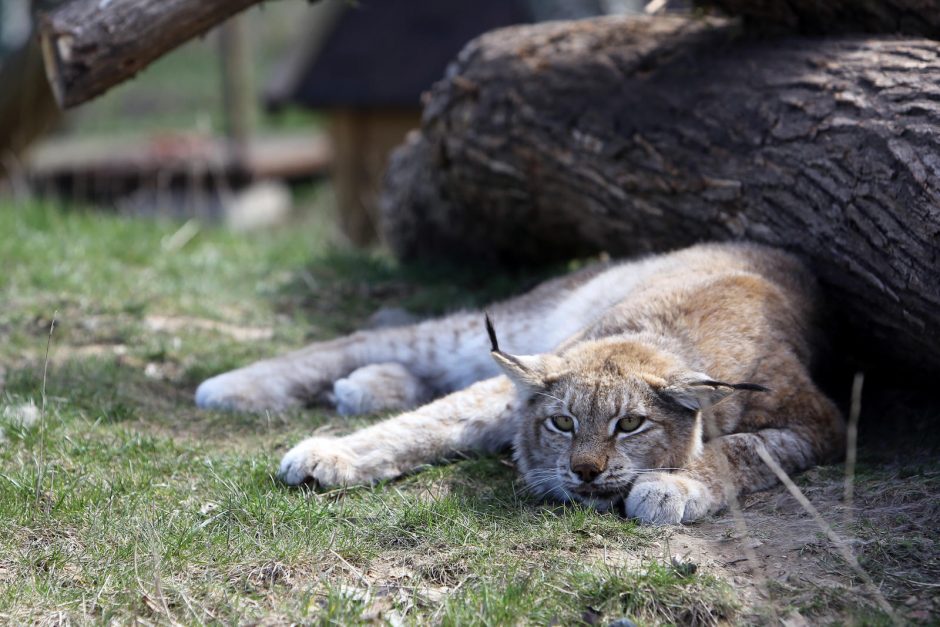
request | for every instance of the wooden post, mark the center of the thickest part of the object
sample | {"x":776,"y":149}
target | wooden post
{"x":362,"y":141}
{"x":237,"y":88}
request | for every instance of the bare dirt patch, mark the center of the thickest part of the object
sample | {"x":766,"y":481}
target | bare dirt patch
{"x":799,"y":572}
{"x":174,"y":324}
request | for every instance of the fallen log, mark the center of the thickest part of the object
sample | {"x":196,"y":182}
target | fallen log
{"x":636,"y":135}
{"x":91,"y":45}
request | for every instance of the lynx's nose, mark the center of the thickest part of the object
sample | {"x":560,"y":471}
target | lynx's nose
{"x":588,"y":469}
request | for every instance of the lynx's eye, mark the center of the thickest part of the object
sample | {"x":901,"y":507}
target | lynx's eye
{"x":563,"y":423}
{"x":629,"y":423}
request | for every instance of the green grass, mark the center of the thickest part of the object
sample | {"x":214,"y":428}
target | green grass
{"x":129,"y":504}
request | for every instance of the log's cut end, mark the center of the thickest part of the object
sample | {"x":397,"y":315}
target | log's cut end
{"x":76,"y":78}
{"x":51,"y":60}
{"x":86,"y":54}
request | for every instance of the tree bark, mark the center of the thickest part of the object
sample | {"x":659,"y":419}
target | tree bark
{"x":91,"y":45}
{"x":638,"y":135}
{"x":913,"y":17}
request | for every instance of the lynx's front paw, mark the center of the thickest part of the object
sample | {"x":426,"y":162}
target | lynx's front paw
{"x":667,"y":499}
{"x":332,"y":462}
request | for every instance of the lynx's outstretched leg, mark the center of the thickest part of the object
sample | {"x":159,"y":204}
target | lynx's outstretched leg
{"x":479,"y":418}
{"x":446,"y":354}
{"x":308,"y":375}
{"x":811,"y":431}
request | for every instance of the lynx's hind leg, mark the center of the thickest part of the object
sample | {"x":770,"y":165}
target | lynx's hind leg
{"x":264,"y":385}
{"x":450,"y":353}
{"x":379,"y":387}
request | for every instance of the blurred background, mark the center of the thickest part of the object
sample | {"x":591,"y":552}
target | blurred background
{"x":287,"y":107}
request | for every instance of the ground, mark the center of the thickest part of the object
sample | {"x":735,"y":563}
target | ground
{"x":122,"y":502}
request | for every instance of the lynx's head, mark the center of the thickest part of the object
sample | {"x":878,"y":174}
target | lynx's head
{"x":602,"y":413}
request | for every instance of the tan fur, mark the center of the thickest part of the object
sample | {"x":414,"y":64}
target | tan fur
{"x":626,"y":341}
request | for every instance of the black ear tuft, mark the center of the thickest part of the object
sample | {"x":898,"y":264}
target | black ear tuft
{"x":750,"y":387}
{"x":494,"y":345}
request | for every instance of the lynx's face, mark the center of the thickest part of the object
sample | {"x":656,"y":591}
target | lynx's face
{"x":587,"y":436}
{"x":596,"y":420}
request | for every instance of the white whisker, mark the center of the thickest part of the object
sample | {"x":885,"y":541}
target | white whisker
{"x":638,"y":470}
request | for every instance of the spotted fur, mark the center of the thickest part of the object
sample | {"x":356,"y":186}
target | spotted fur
{"x":646,"y":386}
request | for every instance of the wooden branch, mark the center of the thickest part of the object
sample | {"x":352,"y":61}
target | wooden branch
{"x":90,"y":46}
{"x":637,"y":135}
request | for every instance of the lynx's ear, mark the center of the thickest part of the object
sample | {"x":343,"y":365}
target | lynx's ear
{"x":529,"y":372}
{"x":696,"y":390}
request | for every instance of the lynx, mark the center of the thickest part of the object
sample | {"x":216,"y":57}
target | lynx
{"x":646,"y":387}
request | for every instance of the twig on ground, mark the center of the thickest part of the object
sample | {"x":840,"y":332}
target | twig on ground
{"x":352,"y":568}
{"x":926,"y":584}
{"x":181,"y":237}
{"x":731,"y":496}
{"x":157,"y":583}
{"x":840,"y":544}
{"x":557,"y":589}
{"x":852,"y":443}
{"x":41,"y":463}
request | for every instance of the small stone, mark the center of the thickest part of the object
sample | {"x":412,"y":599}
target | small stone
{"x":683,"y":567}
{"x":259,"y":206}
{"x":22,"y":415}
{"x":794,"y":619}
{"x":590,"y":616}
{"x":208,"y":507}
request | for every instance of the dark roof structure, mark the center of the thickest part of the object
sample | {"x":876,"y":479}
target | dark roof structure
{"x":385,"y":53}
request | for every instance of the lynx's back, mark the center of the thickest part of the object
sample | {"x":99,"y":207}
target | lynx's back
{"x":728,"y":302}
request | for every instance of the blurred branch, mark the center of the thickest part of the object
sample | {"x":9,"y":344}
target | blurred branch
{"x":90,"y":46}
